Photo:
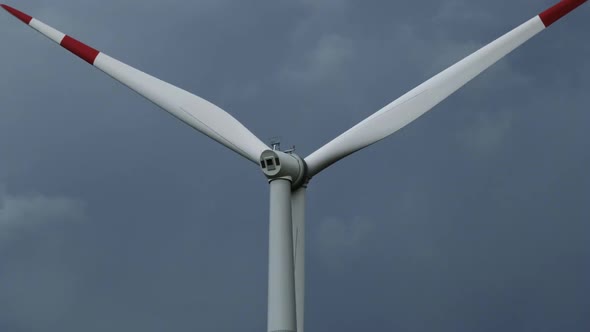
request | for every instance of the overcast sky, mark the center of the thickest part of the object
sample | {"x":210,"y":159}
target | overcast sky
{"x":114,"y":216}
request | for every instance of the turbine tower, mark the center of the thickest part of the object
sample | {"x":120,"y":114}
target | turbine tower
{"x":287,"y":173}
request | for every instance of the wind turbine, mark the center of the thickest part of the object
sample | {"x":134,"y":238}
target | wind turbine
{"x":287,"y":173}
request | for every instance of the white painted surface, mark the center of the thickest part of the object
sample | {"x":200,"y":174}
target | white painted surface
{"x":418,"y":101}
{"x":193,"y":110}
{"x":49,"y":32}
{"x":281,"y":279}
{"x":298,"y":213}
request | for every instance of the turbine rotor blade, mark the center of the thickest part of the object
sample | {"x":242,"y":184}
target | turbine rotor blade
{"x":421,"y":99}
{"x":187,"y":107}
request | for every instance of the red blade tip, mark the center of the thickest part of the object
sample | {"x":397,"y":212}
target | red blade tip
{"x":18,"y":14}
{"x":558,"y":11}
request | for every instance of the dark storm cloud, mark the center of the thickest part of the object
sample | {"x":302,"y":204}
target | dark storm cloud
{"x":115,"y":216}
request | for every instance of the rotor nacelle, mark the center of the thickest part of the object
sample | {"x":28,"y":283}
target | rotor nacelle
{"x":276,"y":164}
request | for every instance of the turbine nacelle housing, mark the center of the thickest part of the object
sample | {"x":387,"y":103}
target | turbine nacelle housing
{"x":280,"y":165}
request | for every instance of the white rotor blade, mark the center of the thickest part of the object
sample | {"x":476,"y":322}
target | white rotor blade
{"x":413,"y":104}
{"x":193,"y":110}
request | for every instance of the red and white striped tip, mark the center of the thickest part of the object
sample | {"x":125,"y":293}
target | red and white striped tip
{"x":421,"y":99}
{"x":193,"y":110}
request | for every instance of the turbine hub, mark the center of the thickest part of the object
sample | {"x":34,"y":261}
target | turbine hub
{"x":280,"y":165}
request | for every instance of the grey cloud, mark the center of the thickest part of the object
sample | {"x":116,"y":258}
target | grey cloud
{"x":342,"y":241}
{"x":487,"y":132}
{"x":473,"y":218}
{"x":20,"y":214}
{"x":37,"y":286}
{"x":323,"y":62}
